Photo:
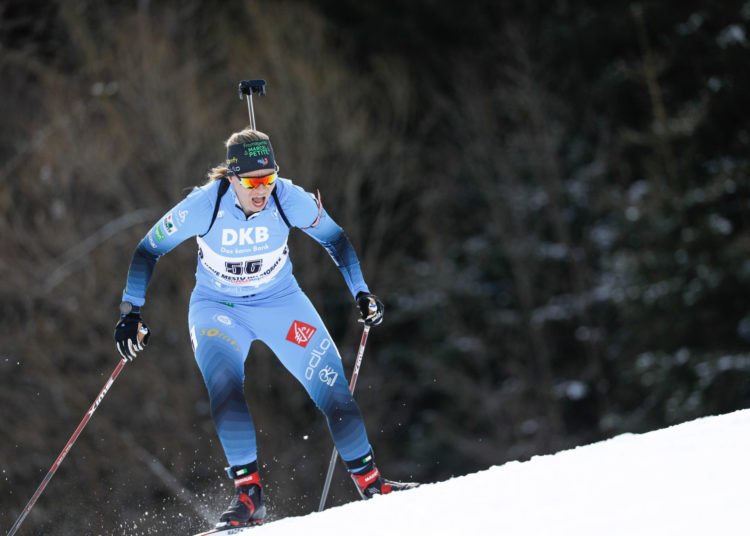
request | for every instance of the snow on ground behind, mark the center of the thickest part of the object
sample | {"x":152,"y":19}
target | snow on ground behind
{"x":690,"y":479}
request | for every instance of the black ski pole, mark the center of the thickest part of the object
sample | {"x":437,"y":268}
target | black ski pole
{"x":68,"y":446}
{"x":352,"y":385}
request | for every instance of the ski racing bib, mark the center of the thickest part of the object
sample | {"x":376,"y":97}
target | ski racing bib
{"x":253,"y":269}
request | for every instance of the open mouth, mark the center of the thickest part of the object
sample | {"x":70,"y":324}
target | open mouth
{"x":258,"y":202}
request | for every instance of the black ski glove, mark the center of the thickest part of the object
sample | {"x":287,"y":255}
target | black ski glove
{"x":370,"y":308}
{"x":131,"y":335}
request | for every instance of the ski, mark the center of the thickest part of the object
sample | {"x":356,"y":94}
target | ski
{"x":229,"y":529}
{"x":401,"y":486}
{"x":395,"y":487}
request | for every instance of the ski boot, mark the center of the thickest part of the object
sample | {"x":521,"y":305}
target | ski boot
{"x":247,"y":506}
{"x":370,"y":482}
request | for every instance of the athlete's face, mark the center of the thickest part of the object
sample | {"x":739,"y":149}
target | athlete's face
{"x":254,"y":199}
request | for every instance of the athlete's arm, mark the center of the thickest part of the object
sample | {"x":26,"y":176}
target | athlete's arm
{"x":306,"y":212}
{"x":333,"y":238}
{"x":188,"y":218}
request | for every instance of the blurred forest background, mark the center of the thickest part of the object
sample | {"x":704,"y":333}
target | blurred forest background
{"x":551,"y":198}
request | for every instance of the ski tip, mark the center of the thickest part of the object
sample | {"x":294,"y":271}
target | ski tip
{"x":227,"y":529}
{"x":402,"y":486}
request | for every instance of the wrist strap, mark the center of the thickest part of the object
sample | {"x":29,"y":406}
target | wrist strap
{"x":135,"y":312}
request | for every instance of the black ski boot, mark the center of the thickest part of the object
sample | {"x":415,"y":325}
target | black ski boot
{"x":247,"y":506}
{"x":370,"y":482}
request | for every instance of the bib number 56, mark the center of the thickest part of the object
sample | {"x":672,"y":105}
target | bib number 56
{"x":239,"y":268}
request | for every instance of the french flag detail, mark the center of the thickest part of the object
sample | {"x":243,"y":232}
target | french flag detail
{"x":319,"y":202}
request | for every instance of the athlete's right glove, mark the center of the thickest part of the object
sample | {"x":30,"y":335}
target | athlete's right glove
{"x":131,"y":334}
{"x":371,"y":308}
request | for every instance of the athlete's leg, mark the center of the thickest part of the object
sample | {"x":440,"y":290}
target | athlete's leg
{"x":293,"y":329}
{"x":221,"y":345}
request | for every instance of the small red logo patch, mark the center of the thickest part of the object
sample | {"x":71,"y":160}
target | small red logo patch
{"x":300,"y":333}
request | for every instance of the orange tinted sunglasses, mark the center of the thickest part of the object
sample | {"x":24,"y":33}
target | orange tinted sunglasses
{"x":252,"y":183}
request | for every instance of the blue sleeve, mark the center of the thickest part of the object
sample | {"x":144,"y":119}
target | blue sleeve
{"x":188,"y":218}
{"x":328,"y":234}
{"x":306,"y":212}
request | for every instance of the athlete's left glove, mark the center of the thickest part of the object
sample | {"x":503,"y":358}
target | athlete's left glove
{"x":370,"y":308}
{"x":131,"y":334}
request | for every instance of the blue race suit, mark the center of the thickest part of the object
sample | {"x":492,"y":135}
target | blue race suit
{"x":245,"y":290}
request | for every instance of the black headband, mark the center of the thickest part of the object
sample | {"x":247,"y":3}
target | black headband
{"x":250,"y":156}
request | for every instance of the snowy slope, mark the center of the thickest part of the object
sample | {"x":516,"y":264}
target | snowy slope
{"x":691,"y":479}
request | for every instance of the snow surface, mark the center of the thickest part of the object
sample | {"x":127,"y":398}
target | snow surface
{"x":690,"y":479}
